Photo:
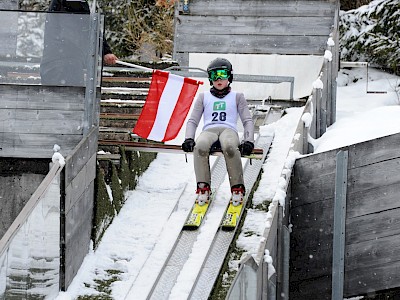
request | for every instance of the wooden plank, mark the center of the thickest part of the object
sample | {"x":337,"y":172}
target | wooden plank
{"x":380,"y":198}
{"x":312,"y":215}
{"x":148,"y":147}
{"x":258,"y":26}
{"x":313,"y":189}
{"x":373,"y":176}
{"x":34,"y":141}
{"x":119,"y":116}
{"x":41,"y":121}
{"x":33,"y":115}
{"x":373,"y":264}
{"x":361,"y":235}
{"x":375,"y":278}
{"x":251,"y":44}
{"x":314,"y":288}
{"x":80,"y":156}
{"x":77,"y":231}
{"x":323,"y":163}
{"x":36,"y":145}
{"x":316,"y":264}
{"x":260,"y":8}
{"x":29,"y":152}
{"x":377,"y":150}
{"x":78,"y":185}
{"x":37,"y":97}
{"x":373,"y":226}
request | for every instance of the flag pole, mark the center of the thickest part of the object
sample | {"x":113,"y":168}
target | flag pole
{"x":134,"y":66}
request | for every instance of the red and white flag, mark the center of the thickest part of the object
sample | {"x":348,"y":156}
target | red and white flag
{"x":166,"y":107}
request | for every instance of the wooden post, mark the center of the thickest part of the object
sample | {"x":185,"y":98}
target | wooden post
{"x":329,"y":91}
{"x":317,"y":95}
{"x":324,"y":98}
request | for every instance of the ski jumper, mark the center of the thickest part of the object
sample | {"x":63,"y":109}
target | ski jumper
{"x":220,"y":117}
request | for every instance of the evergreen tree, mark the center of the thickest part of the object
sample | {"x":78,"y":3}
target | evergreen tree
{"x":372,"y":33}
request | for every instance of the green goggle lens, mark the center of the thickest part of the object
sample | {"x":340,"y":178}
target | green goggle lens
{"x":218,"y":74}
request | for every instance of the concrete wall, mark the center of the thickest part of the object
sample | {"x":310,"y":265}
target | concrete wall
{"x":18,"y":180}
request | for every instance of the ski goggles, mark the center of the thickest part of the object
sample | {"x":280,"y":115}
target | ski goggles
{"x":218,"y":74}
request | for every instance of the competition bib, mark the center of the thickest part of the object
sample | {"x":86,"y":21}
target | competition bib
{"x":220,"y":112}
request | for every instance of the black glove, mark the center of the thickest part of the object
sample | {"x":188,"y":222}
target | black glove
{"x":246,"y":148}
{"x":188,"y":145}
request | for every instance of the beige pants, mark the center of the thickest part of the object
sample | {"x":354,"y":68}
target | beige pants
{"x":229,"y":140}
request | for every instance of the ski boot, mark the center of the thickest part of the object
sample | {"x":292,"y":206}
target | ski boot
{"x":238,"y":192}
{"x":203,"y":193}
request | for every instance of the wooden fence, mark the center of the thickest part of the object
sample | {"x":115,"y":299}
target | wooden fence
{"x":372,"y":224}
{"x":252,"y":27}
{"x":33,"y":119}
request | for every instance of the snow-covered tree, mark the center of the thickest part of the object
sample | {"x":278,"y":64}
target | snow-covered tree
{"x":372,"y":33}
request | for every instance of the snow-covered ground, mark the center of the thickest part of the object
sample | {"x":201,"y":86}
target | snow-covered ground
{"x":165,"y":191}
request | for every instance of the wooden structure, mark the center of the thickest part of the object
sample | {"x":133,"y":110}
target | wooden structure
{"x":372,"y":227}
{"x":252,"y":27}
{"x":38,"y":117}
{"x":34,"y":118}
{"x":9,"y":4}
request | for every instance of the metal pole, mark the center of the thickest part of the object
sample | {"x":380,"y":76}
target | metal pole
{"x":339,"y":225}
{"x":134,"y":66}
{"x":91,"y":76}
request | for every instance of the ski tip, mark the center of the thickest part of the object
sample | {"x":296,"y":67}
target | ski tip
{"x":190,"y":227}
{"x":228,"y":227}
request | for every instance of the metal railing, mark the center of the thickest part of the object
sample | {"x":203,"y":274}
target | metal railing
{"x":185,"y":71}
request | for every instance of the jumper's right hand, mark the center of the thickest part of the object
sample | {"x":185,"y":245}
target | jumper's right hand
{"x":188,"y":145}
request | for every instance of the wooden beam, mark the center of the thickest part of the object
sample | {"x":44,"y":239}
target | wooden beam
{"x":147,"y":147}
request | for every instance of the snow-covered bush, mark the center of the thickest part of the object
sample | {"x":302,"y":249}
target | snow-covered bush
{"x":372,"y":33}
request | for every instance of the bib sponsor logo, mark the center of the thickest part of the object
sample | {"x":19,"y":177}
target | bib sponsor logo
{"x":219,"y":105}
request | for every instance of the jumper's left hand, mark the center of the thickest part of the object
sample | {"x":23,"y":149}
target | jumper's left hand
{"x":246,"y":148}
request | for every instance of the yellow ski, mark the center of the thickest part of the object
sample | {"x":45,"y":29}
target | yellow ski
{"x":198,"y":213}
{"x":196,"y":216}
{"x":232,"y":216}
